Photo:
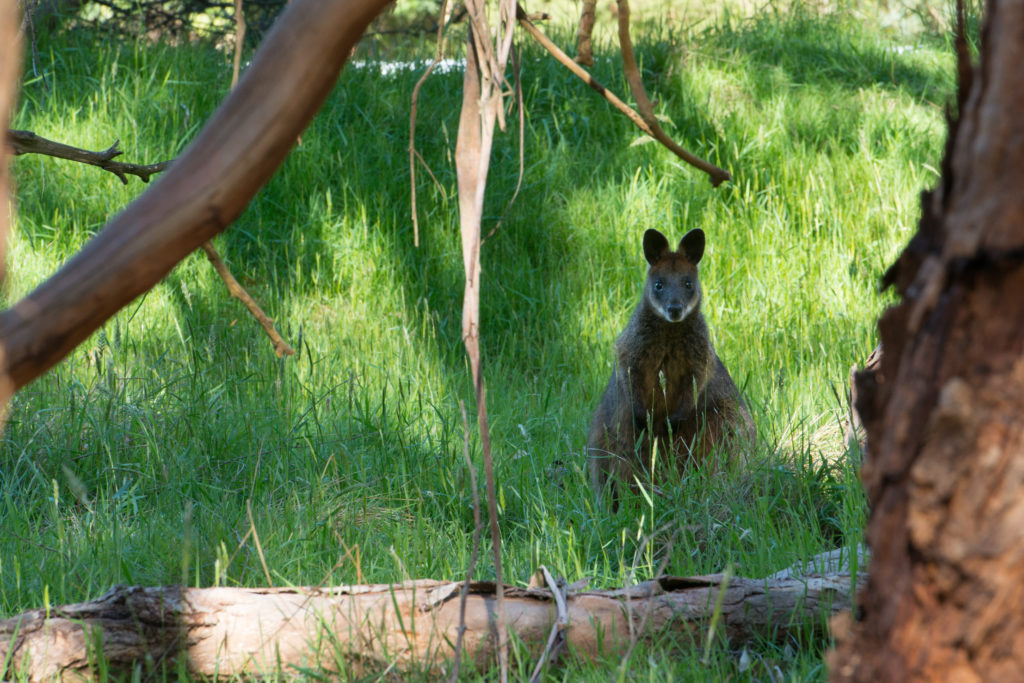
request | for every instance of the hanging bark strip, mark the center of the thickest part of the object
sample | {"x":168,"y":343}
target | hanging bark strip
{"x":199,"y":195}
{"x":482,"y":107}
{"x":716,"y":174}
{"x":943,"y":413}
{"x":397,"y":628}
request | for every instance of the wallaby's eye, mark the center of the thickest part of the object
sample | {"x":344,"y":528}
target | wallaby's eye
{"x":658,"y":285}
{"x":689,"y":284}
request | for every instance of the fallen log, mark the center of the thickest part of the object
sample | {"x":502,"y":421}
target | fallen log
{"x":412,"y":626}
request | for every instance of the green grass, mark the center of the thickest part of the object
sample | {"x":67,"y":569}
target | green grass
{"x":133,"y":461}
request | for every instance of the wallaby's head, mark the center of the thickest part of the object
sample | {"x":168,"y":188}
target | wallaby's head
{"x":672,"y":288}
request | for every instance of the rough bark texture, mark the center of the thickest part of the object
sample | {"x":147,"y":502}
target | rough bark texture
{"x":205,"y":189}
{"x":945,"y":412}
{"x":222,"y":632}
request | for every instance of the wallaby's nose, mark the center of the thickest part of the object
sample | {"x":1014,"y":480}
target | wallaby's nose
{"x":675,"y":312}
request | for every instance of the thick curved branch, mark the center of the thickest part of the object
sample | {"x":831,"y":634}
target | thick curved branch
{"x":636,"y":85}
{"x":199,"y":195}
{"x":716,"y":174}
{"x":27,"y":142}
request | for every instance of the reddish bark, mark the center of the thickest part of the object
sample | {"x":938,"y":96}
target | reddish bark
{"x":10,"y":69}
{"x":945,"y":412}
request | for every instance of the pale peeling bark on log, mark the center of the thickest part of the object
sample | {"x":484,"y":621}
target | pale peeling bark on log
{"x":402,"y":627}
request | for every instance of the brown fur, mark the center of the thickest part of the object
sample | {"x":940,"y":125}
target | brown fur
{"x":668,"y":382}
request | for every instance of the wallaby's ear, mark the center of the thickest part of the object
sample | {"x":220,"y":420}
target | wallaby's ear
{"x":655,"y":246}
{"x":692,"y":245}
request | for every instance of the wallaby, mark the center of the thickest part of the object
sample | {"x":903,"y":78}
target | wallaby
{"x":668,"y":383}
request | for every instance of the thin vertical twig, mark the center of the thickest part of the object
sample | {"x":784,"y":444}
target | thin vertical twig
{"x":256,"y":538}
{"x":477,"y":528}
{"x":239,"y":41}
{"x":413,"y":155}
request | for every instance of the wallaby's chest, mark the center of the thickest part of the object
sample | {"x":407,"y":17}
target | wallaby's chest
{"x":663,"y":373}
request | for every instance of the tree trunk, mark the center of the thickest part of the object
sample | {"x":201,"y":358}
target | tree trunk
{"x":945,"y":411}
{"x":223,"y":632}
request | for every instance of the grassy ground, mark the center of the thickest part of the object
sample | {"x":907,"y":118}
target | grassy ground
{"x":135,"y":459}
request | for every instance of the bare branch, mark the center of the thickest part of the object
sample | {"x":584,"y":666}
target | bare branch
{"x":281,"y":347}
{"x":716,"y":174}
{"x":27,"y":142}
{"x":636,"y":84}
